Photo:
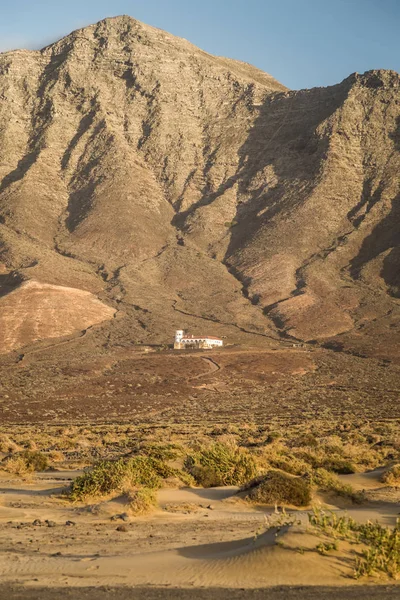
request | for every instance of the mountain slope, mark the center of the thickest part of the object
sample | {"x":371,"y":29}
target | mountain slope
{"x":182,"y":188}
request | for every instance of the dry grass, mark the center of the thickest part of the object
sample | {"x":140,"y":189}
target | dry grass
{"x":184,"y":507}
{"x":7,"y":445}
{"x":16,"y":466}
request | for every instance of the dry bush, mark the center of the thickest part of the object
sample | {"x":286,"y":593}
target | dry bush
{"x":26,"y":462}
{"x":141,"y":500}
{"x":276,"y":487}
{"x":16,"y":465}
{"x":392,"y":476}
{"x":35,"y":461}
{"x":32,"y":445}
{"x":329,"y":482}
{"x":7,"y":445}
{"x":221,"y":464}
{"x":56,"y":456}
{"x":163,"y":452}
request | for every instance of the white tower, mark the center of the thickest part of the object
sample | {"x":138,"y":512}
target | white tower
{"x":178,"y":336}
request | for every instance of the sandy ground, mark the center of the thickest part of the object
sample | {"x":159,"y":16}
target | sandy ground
{"x":197,"y":538}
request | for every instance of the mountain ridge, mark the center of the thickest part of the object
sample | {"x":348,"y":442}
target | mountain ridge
{"x":129,"y":159}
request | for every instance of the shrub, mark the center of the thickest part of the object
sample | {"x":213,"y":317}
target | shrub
{"x":383,"y":543}
{"x":35,"y":461}
{"x":221,"y":464}
{"x":108,"y":477}
{"x":276,"y":487}
{"x":56,"y":456}
{"x":162,"y":452}
{"x":142,"y":500}
{"x":329,"y":482}
{"x":325,"y":547}
{"x":15,"y":465}
{"x":290,"y":464}
{"x":7,"y":445}
{"x":339,"y":465}
{"x":273,"y":436}
{"x":26,"y":462}
{"x":309,"y":440}
{"x":392,"y":476}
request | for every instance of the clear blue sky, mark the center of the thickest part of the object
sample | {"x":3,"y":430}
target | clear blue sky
{"x":303,"y":43}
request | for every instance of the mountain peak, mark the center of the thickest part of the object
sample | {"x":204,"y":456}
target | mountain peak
{"x":174,"y":184}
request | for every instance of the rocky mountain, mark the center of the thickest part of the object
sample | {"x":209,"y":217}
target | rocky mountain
{"x":146,"y":185}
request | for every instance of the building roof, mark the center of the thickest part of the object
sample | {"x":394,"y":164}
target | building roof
{"x":201,"y":337}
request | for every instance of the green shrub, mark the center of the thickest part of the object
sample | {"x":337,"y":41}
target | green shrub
{"x":325,"y":547}
{"x":383,"y":543}
{"x":276,"y":487}
{"x":221,"y":464}
{"x":108,"y":477}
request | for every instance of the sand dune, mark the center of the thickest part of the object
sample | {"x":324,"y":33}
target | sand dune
{"x":196,"y":538}
{"x":36,"y":311}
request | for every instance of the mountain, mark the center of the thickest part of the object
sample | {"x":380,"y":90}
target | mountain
{"x":146,"y":185}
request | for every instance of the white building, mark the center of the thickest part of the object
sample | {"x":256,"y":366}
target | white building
{"x":184,"y":341}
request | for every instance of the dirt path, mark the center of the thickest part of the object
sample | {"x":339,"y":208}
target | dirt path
{"x":213,"y":368}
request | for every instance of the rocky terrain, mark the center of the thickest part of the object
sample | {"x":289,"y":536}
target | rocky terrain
{"x":175,"y":188}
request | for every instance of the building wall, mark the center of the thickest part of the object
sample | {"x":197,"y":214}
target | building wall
{"x":197,"y":343}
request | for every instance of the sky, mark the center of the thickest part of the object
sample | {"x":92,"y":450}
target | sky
{"x":302,"y":43}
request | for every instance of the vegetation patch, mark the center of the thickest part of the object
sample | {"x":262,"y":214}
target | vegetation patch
{"x":7,"y":445}
{"x":276,"y":487}
{"x":221,"y":464}
{"x":142,"y":500}
{"x":392,"y":476}
{"x":26,"y":462}
{"x":329,"y":482}
{"x":381,"y":553}
{"x":110,"y":477}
